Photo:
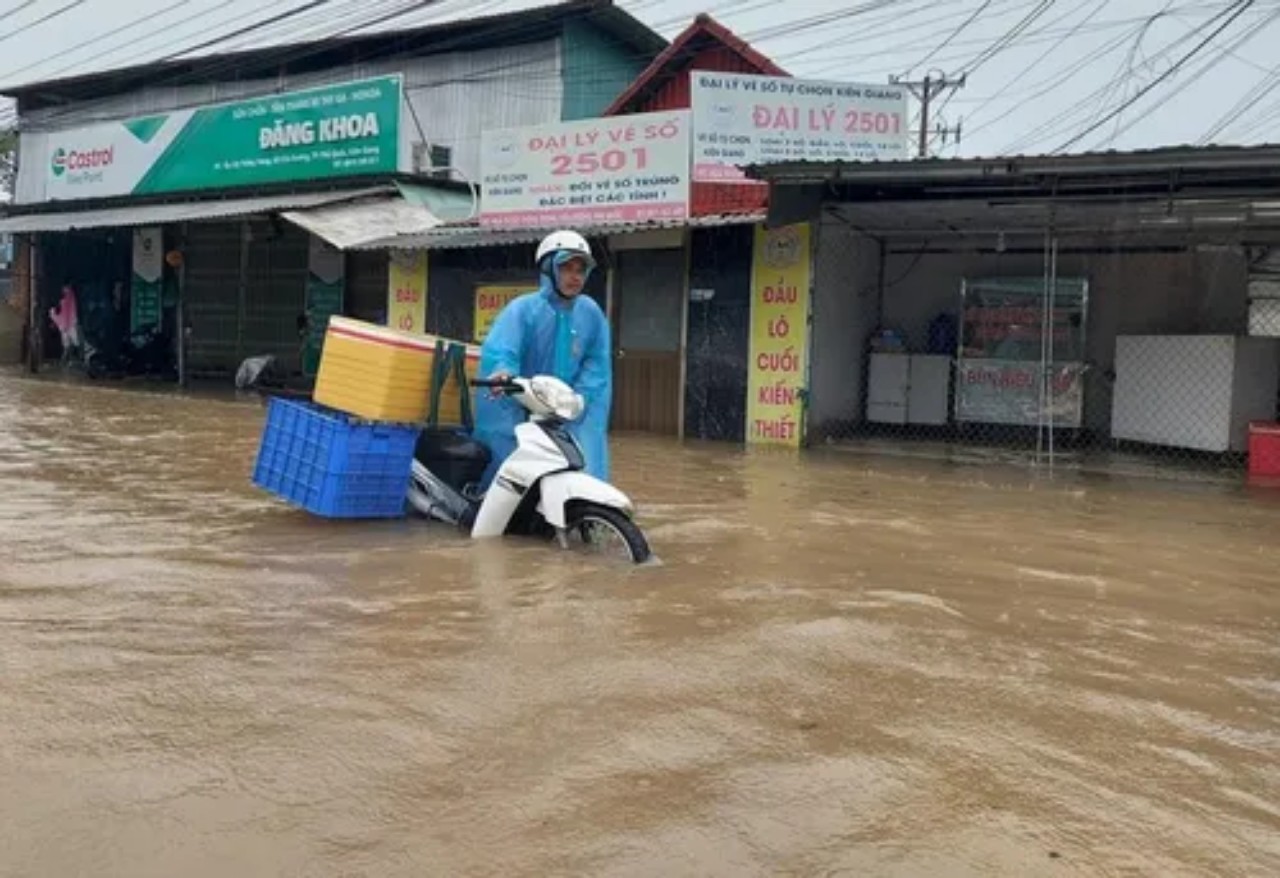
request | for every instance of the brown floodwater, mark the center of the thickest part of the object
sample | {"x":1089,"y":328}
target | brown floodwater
{"x":846,"y":664}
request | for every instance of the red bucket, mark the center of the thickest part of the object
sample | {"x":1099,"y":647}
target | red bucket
{"x":1264,"y":449}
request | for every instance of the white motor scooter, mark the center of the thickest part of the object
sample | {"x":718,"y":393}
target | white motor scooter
{"x":540,"y":489}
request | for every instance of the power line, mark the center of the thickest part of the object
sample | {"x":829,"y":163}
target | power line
{"x":894,"y":25}
{"x":1240,"y":9}
{"x":362,"y":21}
{"x":1125,"y":72}
{"x":1003,"y":42}
{"x":134,"y":43}
{"x":803,"y":24}
{"x":1089,"y":101}
{"x":1261,"y":88}
{"x":9,"y":75}
{"x":1016,"y":78}
{"x":999,"y":45}
{"x":955,"y":33}
{"x":39,"y":21}
{"x":15,"y":10}
{"x":1035,"y":36}
{"x":275,"y":19}
{"x":166,"y":30}
{"x":230,"y":64}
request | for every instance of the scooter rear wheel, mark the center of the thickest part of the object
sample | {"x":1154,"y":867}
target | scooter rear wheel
{"x":607,"y":531}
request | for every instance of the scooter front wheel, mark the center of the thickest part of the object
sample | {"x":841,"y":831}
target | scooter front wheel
{"x":604,"y":530}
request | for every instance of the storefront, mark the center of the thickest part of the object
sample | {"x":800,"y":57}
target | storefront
{"x":1060,"y":310}
{"x":259,"y":176}
{"x":710,"y":311}
{"x":212,"y":282}
{"x":668,"y":354}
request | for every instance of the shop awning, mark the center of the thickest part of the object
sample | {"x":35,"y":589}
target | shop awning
{"x":414,"y":210}
{"x":174,"y":212}
{"x":454,"y":236}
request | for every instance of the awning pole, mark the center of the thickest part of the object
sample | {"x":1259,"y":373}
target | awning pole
{"x":182,"y":307}
{"x":1053,"y":327}
{"x":35,"y":347}
{"x":242,"y":282}
{"x":1044,"y":371}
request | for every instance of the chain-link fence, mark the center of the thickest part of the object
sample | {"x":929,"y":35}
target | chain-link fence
{"x":1115,"y":352}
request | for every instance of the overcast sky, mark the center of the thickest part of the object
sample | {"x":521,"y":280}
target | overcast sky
{"x":1043,"y":75}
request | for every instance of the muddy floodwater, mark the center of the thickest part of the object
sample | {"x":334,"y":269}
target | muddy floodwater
{"x":845,"y":665}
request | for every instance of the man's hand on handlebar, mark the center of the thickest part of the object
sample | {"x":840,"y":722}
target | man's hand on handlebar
{"x":498,"y":383}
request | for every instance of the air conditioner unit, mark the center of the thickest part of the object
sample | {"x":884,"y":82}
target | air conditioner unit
{"x":432,"y":160}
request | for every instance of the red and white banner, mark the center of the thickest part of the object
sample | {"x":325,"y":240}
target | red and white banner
{"x":623,"y":169}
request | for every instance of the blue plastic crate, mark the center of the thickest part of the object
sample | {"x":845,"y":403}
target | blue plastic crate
{"x":334,"y":465}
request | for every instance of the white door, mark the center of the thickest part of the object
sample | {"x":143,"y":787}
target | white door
{"x":930,"y":385}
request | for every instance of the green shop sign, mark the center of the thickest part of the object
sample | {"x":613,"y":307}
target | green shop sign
{"x":345,"y":130}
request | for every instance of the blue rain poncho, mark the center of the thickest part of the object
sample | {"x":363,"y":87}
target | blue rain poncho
{"x":540,"y":333}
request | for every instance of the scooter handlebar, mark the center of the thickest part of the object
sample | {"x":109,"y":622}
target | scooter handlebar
{"x":503,"y":384}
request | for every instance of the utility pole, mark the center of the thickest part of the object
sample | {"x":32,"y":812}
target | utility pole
{"x":925,"y":91}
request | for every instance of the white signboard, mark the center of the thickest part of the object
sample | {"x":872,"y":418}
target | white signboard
{"x":621,"y":169}
{"x":148,"y":254}
{"x":744,"y":119}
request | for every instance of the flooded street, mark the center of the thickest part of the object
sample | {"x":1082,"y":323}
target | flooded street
{"x":846,"y":665}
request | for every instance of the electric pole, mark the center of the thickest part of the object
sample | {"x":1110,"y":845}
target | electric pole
{"x":925,"y":91}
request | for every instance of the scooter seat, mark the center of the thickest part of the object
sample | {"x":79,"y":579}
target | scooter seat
{"x":453,"y":456}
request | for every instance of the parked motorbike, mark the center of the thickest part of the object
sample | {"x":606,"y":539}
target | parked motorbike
{"x":145,"y":352}
{"x":539,"y":490}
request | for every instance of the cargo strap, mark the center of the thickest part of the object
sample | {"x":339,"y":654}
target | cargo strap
{"x":450,"y":362}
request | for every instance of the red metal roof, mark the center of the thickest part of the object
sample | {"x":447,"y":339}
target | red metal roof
{"x":704,"y":33}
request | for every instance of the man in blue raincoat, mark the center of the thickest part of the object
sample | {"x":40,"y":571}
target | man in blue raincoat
{"x":554,"y":331}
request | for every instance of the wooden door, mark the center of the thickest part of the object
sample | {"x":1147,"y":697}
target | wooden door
{"x":648,"y":315}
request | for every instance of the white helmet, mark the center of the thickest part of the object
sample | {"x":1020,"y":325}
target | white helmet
{"x":565,"y":240}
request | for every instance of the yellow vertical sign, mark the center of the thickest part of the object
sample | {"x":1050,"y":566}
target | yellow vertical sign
{"x":778,"y":369}
{"x":490,"y":300}
{"x":407,"y":290}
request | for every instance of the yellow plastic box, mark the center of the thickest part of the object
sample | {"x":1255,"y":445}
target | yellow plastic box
{"x":383,"y":374}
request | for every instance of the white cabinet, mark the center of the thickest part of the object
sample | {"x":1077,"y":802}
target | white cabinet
{"x":1193,"y":391}
{"x":908,"y":389}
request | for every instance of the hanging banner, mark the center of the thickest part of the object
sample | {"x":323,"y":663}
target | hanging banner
{"x":778,"y":368}
{"x":325,"y":289}
{"x":618,"y":169}
{"x":744,"y":119}
{"x":490,"y":300}
{"x":146,"y":293}
{"x":407,"y":290}
{"x":343,"y":130}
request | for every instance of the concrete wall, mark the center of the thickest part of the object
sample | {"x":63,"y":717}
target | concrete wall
{"x":845,"y":294}
{"x":1130,"y":293}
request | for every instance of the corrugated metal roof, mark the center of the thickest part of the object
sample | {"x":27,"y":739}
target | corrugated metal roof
{"x":462,"y":236}
{"x":173,"y":212}
{"x":438,"y":26}
{"x":1178,"y":157}
{"x":350,"y":224}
